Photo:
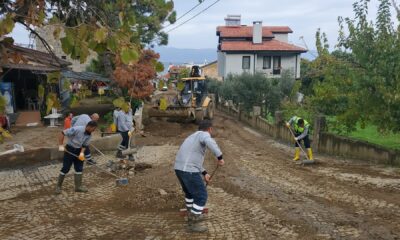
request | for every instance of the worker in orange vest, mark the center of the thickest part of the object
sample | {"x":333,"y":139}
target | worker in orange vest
{"x":67,"y":121}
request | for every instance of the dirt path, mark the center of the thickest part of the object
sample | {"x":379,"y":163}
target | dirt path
{"x":259,"y":194}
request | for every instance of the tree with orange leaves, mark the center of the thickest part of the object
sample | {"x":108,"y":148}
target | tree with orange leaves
{"x":137,"y":77}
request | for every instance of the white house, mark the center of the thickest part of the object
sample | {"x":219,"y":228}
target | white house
{"x":256,"y":48}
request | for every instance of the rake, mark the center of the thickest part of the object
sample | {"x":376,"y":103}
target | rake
{"x":304,"y":162}
{"x":119,"y":181}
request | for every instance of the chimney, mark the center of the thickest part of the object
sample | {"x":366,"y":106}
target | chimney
{"x":257,"y":32}
{"x":233,"y":20}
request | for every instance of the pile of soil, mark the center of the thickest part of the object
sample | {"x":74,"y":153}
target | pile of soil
{"x":149,"y":190}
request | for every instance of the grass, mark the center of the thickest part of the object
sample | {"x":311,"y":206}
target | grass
{"x":371,"y":134}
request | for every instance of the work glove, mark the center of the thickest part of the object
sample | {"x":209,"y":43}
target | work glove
{"x":130,"y":134}
{"x":81,"y":156}
{"x":296,"y":139}
{"x":287,"y":125}
{"x":61,"y":148}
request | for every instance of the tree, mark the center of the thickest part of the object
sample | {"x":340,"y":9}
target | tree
{"x":256,"y":90}
{"x":137,"y":77}
{"x":118,"y":31}
{"x":117,"y":27}
{"x":360,"y":81}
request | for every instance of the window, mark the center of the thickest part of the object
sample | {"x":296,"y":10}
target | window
{"x":266,"y":62}
{"x":246,"y":62}
{"x":277,"y":65}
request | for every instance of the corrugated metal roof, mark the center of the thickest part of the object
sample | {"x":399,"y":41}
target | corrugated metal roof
{"x":85,"y":76}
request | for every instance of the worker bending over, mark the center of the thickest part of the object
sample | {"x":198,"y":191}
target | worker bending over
{"x":83,"y":120}
{"x":78,"y":140}
{"x":189,"y":168}
{"x":301,"y":130}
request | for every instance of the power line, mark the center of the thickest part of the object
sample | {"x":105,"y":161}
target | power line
{"x":172,"y":29}
{"x":186,"y":13}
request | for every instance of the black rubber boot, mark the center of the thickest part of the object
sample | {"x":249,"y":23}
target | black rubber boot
{"x":59,"y":184}
{"x":119,"y":154}
{"x":78,"y":184}
{"x":194,"y":223}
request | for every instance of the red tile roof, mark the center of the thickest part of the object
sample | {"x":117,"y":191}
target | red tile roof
{"x":247,"y":31}
{"x":271,"y":45}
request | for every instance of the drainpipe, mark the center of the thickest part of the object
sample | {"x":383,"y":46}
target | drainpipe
{"x":254,"y":68}
{"x":295,"y":74}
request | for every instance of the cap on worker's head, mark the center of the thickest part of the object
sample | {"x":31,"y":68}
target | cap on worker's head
{"x":95,"y":117}
{"x":125,"y":107}
{"x":204,"y":125}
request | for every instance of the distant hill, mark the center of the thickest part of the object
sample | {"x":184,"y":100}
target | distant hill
{"x":182,"y":55}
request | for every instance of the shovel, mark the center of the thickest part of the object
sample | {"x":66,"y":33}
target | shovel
{"x":129,"y":151}
{"x":17,"y":148}
{"x":304,"y":162}
{"x":119,"y":181}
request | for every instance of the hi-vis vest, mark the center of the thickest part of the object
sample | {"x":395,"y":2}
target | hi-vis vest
{"x":298,"y":129}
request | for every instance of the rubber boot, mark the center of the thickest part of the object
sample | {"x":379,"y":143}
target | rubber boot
{"x":296,"y":154}
{"x":199,"y":217}
{"x":59,"y":184}
{"x":309,"y":153}
{"x":78,"y":184}
{"x":119,"y":154}
{"x":194,"y":224}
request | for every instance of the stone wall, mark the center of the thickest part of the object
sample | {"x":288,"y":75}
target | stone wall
{"x":43,"y":155}
{"x":47,"y":33}
{"x":322,"y":141}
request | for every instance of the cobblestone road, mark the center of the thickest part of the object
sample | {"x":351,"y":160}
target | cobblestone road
{"x":259,"y":194}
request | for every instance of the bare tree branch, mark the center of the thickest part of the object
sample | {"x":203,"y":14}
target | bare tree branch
{"x":45,"y":44}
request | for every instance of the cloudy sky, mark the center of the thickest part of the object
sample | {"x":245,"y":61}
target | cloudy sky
{"x":304,"y":17}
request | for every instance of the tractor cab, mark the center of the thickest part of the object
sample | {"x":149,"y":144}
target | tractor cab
{"x":194,"y":91}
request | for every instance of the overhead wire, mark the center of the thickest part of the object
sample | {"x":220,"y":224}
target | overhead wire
{"x":186,"y":13}
{"x":202,"y":11}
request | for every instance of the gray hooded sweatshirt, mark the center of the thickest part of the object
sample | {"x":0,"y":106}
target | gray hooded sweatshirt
{"x":190,"y":156}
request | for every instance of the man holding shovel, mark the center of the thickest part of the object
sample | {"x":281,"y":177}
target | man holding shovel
{"x":78,"y":140}
{"x":189,"y":168}
{"x":301,"y":130}
{"x":83,"y":120}
{"x":125,"y":128}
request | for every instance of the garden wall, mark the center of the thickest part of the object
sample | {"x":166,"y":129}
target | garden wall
{"x":322,"y":142}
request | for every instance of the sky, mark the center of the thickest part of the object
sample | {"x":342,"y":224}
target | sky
{"x":303,"y":17}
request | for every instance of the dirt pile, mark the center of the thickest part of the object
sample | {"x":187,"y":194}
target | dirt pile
{"x":150,"y":190}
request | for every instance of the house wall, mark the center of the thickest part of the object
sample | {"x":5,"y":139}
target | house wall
{"x":282,"y":37}
{"x":232,"y":63}
{"x":221,"y":63}
{"x":47,"y":33}
{"x":211,"y":71}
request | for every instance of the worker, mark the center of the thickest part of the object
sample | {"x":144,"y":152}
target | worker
{"x":83,"y":120}
{"x":125,"y":128}
{"x":301,"y":130}
{"x":189,"y":170}
{"x":115,"y":116}
{"x":67,"y":121}
{"x":78,"y":140}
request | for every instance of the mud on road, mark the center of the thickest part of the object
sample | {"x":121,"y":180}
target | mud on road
{"x":259,"y":194}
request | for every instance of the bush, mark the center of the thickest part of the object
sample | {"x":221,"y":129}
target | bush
{"x":255,"y":90}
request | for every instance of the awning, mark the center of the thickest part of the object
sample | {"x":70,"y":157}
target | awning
{"x":84,"y":76}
